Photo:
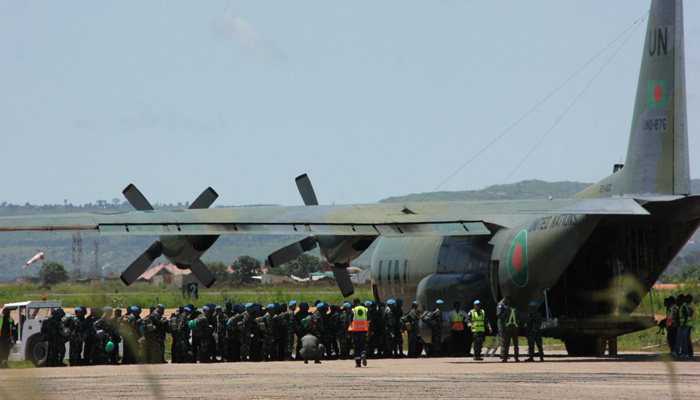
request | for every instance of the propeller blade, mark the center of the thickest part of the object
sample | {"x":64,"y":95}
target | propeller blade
{"x":136,"y":199}
{"x":202,"y":273}
{"x":342,"y":278}
{"x":141,"y":264}
{"x":306,"y":190}
{"x":206,"y":199}
{"x":292,"y":251}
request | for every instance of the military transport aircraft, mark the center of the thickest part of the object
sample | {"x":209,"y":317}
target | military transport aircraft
{"x":564,"y":254}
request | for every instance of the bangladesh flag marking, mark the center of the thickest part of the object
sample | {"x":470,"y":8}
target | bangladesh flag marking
{"x":517,"y":260}
{"x":656,"y":93}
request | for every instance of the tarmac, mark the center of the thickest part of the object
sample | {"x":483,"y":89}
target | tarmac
{"x":626,"y":376}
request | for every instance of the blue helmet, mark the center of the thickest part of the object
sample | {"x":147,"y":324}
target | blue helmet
{"x":390,"y":302}
{"x":270,"y":306}
{"x":439,"y":302}
{"x":368,"y":303}
{"x":161,"y":306}
{"x":415,"y":303}
{"x":347,"y":304}
{"x":476,"y":302}
{"x":292,"y":303}
{"x":248,"y":305}
{"x":205,"y":308}
{"x":533,"y":304}
{"x":78,"y":309}
{"x":218,"y":308}
{"x":107,"y":308}
{"x":187,"y":309}
{"x":134,"y":309}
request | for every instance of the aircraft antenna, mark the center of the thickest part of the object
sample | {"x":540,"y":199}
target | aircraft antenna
{"x":634,"y":25}
{"x":551,"y":128}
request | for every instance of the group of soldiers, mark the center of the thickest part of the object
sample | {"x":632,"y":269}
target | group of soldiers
{"x":679,"y":322}
{"x":253,"y":332}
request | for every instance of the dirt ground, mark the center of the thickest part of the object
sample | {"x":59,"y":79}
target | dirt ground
{"x":628,"y":376}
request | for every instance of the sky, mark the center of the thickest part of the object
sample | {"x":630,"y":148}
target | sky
{"x":371,"y":99}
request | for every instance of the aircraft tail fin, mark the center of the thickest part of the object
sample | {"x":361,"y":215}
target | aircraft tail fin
{"x":657,"y":154}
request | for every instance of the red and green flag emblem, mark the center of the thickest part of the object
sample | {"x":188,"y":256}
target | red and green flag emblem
{"x":656,"y":93}
{"x":517,"y":260}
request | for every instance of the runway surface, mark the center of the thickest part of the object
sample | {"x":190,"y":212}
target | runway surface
{"x":628,"y":376}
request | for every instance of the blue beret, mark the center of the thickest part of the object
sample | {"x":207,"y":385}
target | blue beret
{"x":187,"y":309}
{"x":439,"y":302}
{"x":533,"y":304}
{"x":78,"y":309}
{"x":347,"y":304}
{"x":248,"y":305}
{"x":218,"y":308}
{"x":390,"y":302}
{"x":161,"y":306}
{"x":368,"y":303}
{"x":134,"y":309}
{"x":415,"y":303}
{"x":205,"y":308}
{"x":292,"y":303}
{"x":320,"y":305}
{"x":476,"y":302}
{"x":270,"y":306}
{"x":107,"y":308}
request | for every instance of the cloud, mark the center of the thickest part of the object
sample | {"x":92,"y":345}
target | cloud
{"x":237,"y":28}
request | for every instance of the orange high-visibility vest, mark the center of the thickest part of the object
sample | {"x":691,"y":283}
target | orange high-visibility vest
{"x":359,"y":320}
{"x":457,"y":321}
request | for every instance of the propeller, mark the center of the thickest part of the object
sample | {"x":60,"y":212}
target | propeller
{"x":294,"y":250}
{"x":142,"y":262}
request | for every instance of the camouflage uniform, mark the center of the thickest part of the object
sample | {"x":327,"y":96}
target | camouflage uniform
{"x":343,"y":335}
{"x":300,"y":331}
{"x":233,"y":336}
{"x":534,"y":334}
{"x":414,"y":339}
{"x":398,"y":329}
{"x":181,"y":337}
{"x":434,"y":320}
{"x":375,"y":333}
{"x":205,"y":338}
{"x":245,"y":327}
{"x":507,"y":329}
{"x":99,"y":353}
{"x":77,"y":329}
{"x":51,"y":330}
{"x":389,"y":332}
{"x":291,"y":327}
{"x":154,"y":335}
{"x":478,"y":337}
{"x":221,"y":342}
{"x":130,"y":333}
{"x":280,"y":329}
{"x":268,"y":336}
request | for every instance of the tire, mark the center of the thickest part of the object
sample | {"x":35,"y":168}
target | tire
{"x":37,"y":351}
{"x":581,"y":346}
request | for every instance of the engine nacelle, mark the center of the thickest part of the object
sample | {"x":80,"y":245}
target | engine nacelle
{"x":184,"y":250}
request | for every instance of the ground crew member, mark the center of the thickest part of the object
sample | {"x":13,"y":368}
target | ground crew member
{"x":507,"y":327}
{"x":359,"y":326}
{"x":478,"y":323}
{"x":6,"y":338}
{"x":458,"y":329}
{"x":534,"y":334}
{"x":434,"y":320}
{"x":311,"y":348}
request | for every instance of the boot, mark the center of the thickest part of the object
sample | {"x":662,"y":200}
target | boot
{"x":529,"y":359}
{"x":541,"y":357}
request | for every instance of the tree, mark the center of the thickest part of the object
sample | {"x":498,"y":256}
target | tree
{"x":220,"y":271}
{"x":304,"y":265}
{"x":53,"y":272}
{"x":692,"y":271}
{"x":244,"y":268}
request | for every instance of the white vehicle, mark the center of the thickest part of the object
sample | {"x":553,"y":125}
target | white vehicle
{"x":28,"y":316}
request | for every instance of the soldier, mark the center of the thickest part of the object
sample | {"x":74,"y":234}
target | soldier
{"x":457,"y":328}
{"x":685,"y":322}
{"x":233,"y":334}
{"x":205,"y":330}
{"x":534,"y":334}
{"x":268,"y":335}
{"x":89,"y":340}
{"x":389,"y":329}
{"x":332,"y":329}
{"x":221,"y":342}
{"x":671,"y":322}
{"x":376,"y":327}
{"x":131,"y":336}
{"x":411,"y":322}
{"x":691,"y":323}
{"x":311,"y":348}
{"x":102,"y":334}
{"x":51,"y":329}
{"x":290,"y":328}
{"x":434,"y":320}
{"x":77,"y":329}
{"x":507,"y":327}
{"x":398,"y":331}
{"x":245,"y":326}
{"x":181,"y":336}
{"x":478,"y":323}
{"x":342,"y":333}
{"x":154,"y":335}
{"x":280,"y":329}
{"x":300,"y":330}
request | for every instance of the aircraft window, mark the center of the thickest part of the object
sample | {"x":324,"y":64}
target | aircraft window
{"x":379,"y":275}
{"x":405,"y":272}
{"x":397,"y":277}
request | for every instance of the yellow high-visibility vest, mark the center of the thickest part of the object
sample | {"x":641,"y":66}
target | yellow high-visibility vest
{"x":512,"y":320}
{"x":478,"y":319}
{"x":359,"y":320}
{"x":457,"y":321}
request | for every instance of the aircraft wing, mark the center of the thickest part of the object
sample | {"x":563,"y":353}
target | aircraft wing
{"x":383,"y":219}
